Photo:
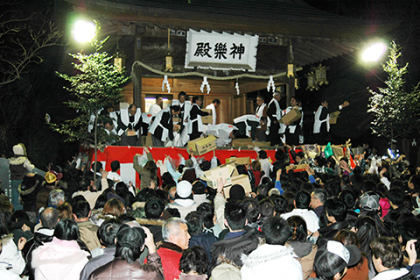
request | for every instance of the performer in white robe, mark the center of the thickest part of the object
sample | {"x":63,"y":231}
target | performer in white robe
{"x":213,"y":106}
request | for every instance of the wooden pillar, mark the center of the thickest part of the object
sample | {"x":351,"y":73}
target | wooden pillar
{"x":137,"y":75}
{"x":290,"y":82}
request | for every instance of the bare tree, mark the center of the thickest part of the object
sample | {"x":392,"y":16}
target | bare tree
{"x":22,"y":40}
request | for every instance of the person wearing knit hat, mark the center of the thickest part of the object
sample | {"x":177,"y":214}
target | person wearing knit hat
{"x":236,"y":192}
{"x":19,"y":166}
{"x":184,"y":199}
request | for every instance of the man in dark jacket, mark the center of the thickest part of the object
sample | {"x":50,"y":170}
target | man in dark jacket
{"x":336,"y":212}
{"x":49,"y":219}
{"x":237,"y":241}
{"x":198,"y":237}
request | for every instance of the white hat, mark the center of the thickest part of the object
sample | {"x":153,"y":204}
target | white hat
{"x":184,"y":189}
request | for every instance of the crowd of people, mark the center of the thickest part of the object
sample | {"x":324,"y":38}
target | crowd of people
{"x":330,"y":221}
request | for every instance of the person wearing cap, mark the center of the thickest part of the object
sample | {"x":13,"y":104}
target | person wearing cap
{"x":387,"y":257}
{"x":332,"y":260}
{"x":273,"y":257}
{"x":19,"y":166}
{"x":369,"y":206}
{"x":175,"y":239}
{"x":130,"y":243}
{"x":184,"y":199}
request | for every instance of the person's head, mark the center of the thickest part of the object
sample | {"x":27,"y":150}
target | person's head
{"x":277,"y":96}
{"x":154,"y":208}
{"x":206,"y":211}
{"x":302,"y":200}
{"x":108,"y":124}
{"x":366,"y":231}
{"x":56,"y":197}
{"x":252,"y":209}
{"x":330,"y":162}
{"x":386,"y":253}
{"x":195,"y":223}
{"x":175,"y":230}
{"x":130,"y":241}
{"x":298,"y":228}
{"x":336,"y":210}
{"x":114,"y":207}
{"x":348,"y":197}
{"x":414,"y":182}
{"x":198,"y":187}
{"x":49,"y":218}
{"x":65,"y":211}
{"x":171,"y":193}
{"x":299,"y":156}
{"x":198,"y":100}
{"x":262,"y":154}
{"x":81,"y":210}
{"x":324,"y":102}
{"x":347,"y":237}
{"x":331,"y":261}
{"x":236,"y":192}
{"x":235,"y":215}
{"x":260,"y":100}
{"x":66,"y":230}
{"x":182,"y":96}
{"x":175,"y":109}
{"x":132,"y":109}
{"x":107,"y":232}
{"x":194,"y":260}
{"x":396,"y":197}
{"x":216,"y":103}
{"x":318,"y":197}
{"x":276,"y":230}
{"x":159,"y":100}
{"x":369,"y":201}
{"x":256,"y":165}
{"x":115,"y":165}
{"x":294,"y":102}
{"x":266,"y":207}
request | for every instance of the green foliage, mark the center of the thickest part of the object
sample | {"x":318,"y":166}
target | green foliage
{"x":395,"y":111}
{"x":97,"y":85}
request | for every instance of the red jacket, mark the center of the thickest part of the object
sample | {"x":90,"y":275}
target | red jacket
{"x":170,"y":255}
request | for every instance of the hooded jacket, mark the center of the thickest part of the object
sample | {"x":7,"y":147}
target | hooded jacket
{"x":19,"y":164}
{"x":268,"y":260}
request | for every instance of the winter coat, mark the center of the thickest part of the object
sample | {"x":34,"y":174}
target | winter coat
{"x":205,"y":240}
{"x":395,"y":274}
{"x":170,"y":255}
{"x":43,"y":235}
{"x":88,"y":234}
{"x":305,"y":252}
{"x":11,"y":258}
{"x":145,"y":175}
{"x":268,"y":260}
{"x":121,"y":269}
{"x":155,"y":227}
{"x":59,"y":259}
{"x":97,"y":262}
{"x":233,"y":248}
{"x":28,"y":194}
{"x":19,"y":165}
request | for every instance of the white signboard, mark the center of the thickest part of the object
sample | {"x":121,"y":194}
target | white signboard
{"x":221,"y":51}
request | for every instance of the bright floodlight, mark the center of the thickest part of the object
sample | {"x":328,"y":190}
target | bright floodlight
{"x":84,"y":31}
{"x":374,"y":52}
